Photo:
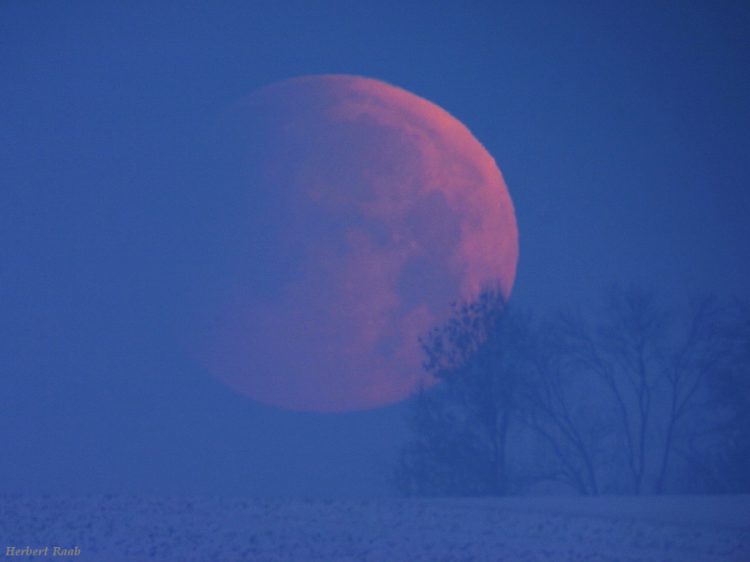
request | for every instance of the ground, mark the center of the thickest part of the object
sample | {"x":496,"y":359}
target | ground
{"x":136,"y":528}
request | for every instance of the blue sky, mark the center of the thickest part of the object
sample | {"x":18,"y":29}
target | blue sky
{"x":622,"y":130}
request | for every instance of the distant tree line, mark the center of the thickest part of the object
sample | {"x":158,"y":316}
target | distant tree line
{"x":637,"y":398}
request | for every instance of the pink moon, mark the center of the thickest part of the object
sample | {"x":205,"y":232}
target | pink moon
{"x":369,"y":211}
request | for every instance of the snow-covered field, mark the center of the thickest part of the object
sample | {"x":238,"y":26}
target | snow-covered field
{"x":135,"y":528}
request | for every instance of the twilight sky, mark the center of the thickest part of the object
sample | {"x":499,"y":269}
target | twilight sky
{"x":622,"y":131}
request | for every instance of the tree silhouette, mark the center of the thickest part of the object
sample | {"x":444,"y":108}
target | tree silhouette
{"x":463,"y":424}
{"x":719,"y":450}
{"x":641,"y":398}
{"x":559,"y":407}
{"x":624,"y":353}
{"x":655,"y":366}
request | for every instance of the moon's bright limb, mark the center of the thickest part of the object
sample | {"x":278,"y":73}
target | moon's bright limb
{"x":369,"y":211}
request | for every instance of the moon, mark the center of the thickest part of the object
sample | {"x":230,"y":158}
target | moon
{"x":362,"y":213}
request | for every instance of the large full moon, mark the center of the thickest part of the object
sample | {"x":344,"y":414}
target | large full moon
{"x":366,"y":212}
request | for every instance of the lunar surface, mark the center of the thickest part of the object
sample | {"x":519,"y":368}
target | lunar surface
{"x":365,"y":211}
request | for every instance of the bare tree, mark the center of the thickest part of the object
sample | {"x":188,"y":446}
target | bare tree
{"x":699,"y":353}
{"x":445,"y":457}
{"x":657,"y":367}
{"x":612,"y":405}
{"x":476,"y":356}
{"x":554,"y":409}
{"x":624,"y":352}
{"x":719,"y":450}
